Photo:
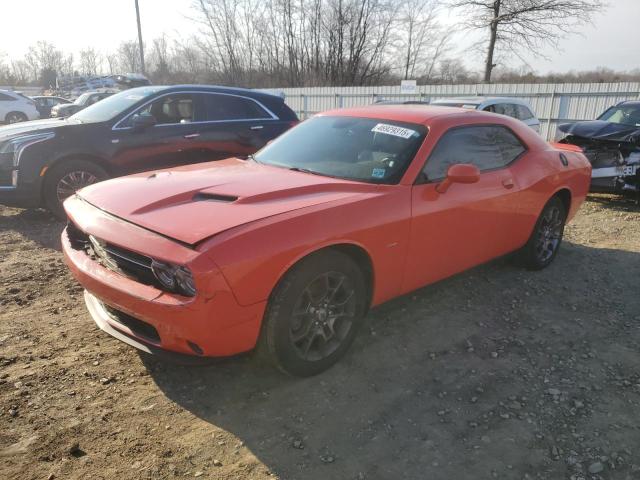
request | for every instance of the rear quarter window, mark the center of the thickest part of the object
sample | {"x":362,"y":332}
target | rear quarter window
{"x":229,"y":107}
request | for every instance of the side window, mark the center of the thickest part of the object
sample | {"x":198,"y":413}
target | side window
{"x":6,"y":98}
{"x":524,"y":113}
{"x":175,"y":108}
{"x":228,"y":107}
{"x":487,"y":146}
{"x":507,"y":109}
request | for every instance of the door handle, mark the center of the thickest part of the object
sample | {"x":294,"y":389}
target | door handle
{"x":508,"y":183}
{"x":192,"y":135}
{"x":257,"y":127}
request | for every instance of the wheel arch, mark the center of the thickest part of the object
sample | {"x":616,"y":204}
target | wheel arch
{"x":355,"y":251}
{"x":565,"y":196}
{"x":87,"y":157}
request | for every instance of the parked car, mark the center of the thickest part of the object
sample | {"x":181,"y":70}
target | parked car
{"x":16,"y":107}
{"x":512,"y":107}
{"x":63,"y":110}
{"x":612,"y":145}
{"x":45,"y":103}
{"x":290,"y":248}
{"x":139,"y":129}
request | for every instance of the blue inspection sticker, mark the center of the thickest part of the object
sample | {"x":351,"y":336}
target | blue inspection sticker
{"x":378,"y":173}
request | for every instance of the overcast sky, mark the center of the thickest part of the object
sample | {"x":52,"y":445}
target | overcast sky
{"x":75,"y":24}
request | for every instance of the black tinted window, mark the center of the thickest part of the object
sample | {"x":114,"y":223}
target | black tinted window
{"x":227,"y":107}
{"x":488,"y":147}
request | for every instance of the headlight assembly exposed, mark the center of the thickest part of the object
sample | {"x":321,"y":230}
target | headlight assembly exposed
{"x":174,"y":278}
{"x":11,"y":150}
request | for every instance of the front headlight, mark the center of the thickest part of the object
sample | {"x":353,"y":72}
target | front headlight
{"x":11,"y":150}
{"x":174,"y":278}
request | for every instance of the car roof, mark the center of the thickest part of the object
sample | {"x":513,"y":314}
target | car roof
{"x":214,"y":89}
{"x":480,"y":100}
{"x":632,"y":103}
{"x":419,"y":114}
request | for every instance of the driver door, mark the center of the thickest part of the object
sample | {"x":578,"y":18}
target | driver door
{"x":174,"y":140}
{"x":469,"y":223}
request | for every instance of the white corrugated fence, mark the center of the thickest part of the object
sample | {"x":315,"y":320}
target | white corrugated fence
{"x":552,"y":103}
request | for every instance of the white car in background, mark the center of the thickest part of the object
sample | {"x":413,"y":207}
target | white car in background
{"x":16,"y":107}
{"x":512,"y":107}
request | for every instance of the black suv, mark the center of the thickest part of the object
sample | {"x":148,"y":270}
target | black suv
{"x":145,"y":128}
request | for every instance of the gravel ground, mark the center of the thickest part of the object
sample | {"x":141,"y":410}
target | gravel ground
{"x":494,"y":373}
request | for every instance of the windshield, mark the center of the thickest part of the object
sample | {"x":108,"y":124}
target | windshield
{"x":625,"y":115}
{"x":112,"y":106}
{"x":361,"y":149}
{"x":82,"y":99}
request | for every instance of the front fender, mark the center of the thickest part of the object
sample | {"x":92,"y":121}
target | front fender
{"x":254,"y":257}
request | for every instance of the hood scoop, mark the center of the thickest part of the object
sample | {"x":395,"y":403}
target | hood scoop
{"x":213,"y":197}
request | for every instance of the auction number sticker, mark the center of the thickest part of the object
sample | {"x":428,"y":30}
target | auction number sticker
{"x":393,"y":130}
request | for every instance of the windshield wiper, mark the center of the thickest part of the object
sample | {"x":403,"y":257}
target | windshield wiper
{"x":306,"y":170}
{"x":252,"y":158}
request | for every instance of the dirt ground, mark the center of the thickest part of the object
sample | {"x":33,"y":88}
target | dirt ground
{"x":495,"y":373}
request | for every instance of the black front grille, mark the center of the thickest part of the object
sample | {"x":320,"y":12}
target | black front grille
{"x":138,"y":327}
{"x":6,"y":178}
{"x":118,"y":259}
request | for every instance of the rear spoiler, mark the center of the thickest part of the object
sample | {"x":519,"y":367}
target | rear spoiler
{"x":567,"y":147}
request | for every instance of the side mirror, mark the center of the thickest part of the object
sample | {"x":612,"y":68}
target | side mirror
{"x":143,"y":121}
{"x":459,"y":173}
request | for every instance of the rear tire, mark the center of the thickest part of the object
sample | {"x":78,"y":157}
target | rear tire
{"x":63,"y":179}
{"x":546,"y":238}
{"x":314,"y":314}
{"x":15,"y":117}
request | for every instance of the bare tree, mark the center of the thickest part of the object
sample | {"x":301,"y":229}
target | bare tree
{"x":518,"y":25}
{"x":129,"y":56}
{"x":420,"y":41}
{"x":90,"y":61}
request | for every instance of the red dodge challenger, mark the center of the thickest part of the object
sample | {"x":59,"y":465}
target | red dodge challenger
{"x":287,"y":250}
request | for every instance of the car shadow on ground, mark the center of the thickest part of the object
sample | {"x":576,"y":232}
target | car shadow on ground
{"x":37,"y":225}
{"x":627,"y":203}
{"x":448,"y":382}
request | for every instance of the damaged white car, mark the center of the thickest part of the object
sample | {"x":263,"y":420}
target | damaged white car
{"x":612,"y":145}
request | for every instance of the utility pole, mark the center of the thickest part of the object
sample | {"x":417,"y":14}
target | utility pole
{"x":140,"y":39}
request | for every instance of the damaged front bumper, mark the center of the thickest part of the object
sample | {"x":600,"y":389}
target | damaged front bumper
{"x":615,"y":165}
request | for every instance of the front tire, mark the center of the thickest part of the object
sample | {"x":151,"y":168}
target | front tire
{"x":546,"y":238}
{"x":65,"y":178}
{"x":314,"y":314}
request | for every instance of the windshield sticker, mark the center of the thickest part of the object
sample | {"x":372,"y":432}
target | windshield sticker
{"x":393,"y":130}
{"x":378,"y":173}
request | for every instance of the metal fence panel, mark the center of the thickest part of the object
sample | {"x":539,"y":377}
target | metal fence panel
{"x":552,"y":103}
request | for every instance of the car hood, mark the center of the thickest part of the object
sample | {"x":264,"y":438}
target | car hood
{"x":24,"y":128}
{"x":601,"y":130}
{"x":195,"y":202}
